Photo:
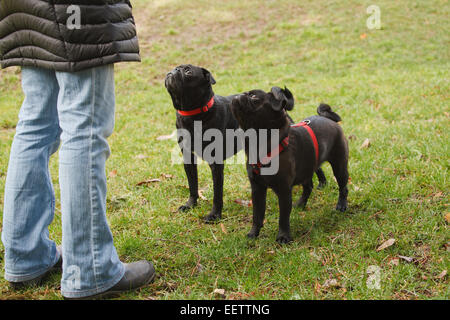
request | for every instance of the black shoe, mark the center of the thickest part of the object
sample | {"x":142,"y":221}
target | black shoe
{"x":137,"y":275}
{"x":38,"y":280}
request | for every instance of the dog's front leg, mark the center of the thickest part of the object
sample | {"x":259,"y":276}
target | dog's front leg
{"x":190,"y":167}
{"x":259,"y":194}
{"x":217,"y":174}
{"x":285,"y":204}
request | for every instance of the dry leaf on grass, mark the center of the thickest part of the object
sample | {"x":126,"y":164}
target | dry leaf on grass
{"x":244,"y":203}
{"x":363,"y":36}
{"x":447,"y":217}
{"x":331,"y":283}
{"x":317,"y":287}
{"x":167,"y":137}
{"x":147,"y":182}
{"x":394,"y":261}
{"x":407,"y":259}
{"x":219,"y":293}
{"x":366,"y":144}
{"x":150,"y":181}
{"x":442,"y":275}
{"x":224,"y":229}
{"x":200,"y":194}
{"x":386,"y":244}
{"x":437,"y":195}
{"x":113,"y":173}
{"x":446,"y":246}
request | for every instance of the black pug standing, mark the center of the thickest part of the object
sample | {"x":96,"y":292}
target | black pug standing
{"x":193,"y":97}
{"x":302,"y":149}
{"x":191,"y":90}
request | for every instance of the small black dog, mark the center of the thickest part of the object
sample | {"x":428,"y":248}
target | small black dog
{"x":302,"y":149}
{"x":191,"y":90}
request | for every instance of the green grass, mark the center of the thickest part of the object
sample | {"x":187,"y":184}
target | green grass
{"x":391,"y":87}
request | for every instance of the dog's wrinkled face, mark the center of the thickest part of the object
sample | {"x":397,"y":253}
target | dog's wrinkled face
{"x":257,"y":109}
{"x":189,"y":86}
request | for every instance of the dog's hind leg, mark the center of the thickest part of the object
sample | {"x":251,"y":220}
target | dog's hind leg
{"x":322,"y":179}
{"x":307,"y":189}
{"x":217,"y":174}
{"x":340,"y":171}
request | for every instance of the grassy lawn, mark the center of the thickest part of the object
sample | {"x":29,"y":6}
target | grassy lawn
{"x":390,"y":86}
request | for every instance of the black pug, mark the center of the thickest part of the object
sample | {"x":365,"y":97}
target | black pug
{"x":191,"y":90}
{"x":303,"y":148}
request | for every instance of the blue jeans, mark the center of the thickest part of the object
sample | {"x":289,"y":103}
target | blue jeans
{"x":76,"y":111}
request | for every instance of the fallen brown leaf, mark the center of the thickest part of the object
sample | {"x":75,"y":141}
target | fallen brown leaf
{"x":407,"y":259}
{"x":442,"y":275}
{"x":363,"y":36}
{"x":238,"y":296}
{"x":331,"y":283}
{"x":113,"y":173}
{"x":447,"y":217}
{"x":224,"y":229}
{"x":167,"y":137}
{"x":167,"y":176}
{"x":244,"y":203}
{"x":219,"y":293}
{"x":437,"y":195}
{"x":317,"y":287}
{"x":394,"y":261}
{"x":146,"y":182}
{"x":366,"y":144}
{"x":386,"y":244}
{"x":200,"y":194}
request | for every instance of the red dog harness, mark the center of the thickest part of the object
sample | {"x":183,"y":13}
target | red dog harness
{"x":194,"y":112}
{"x":285,"y":143}
{"x":305,"y":124}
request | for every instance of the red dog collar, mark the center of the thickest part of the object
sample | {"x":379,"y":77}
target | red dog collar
{"x":194,"y":112}
{"x":285,"y":143}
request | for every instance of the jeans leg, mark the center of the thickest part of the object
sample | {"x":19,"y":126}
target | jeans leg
{"x":29,"y":197}
{"x":86,"y":106}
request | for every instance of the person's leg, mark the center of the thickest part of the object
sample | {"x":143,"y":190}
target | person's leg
{"x":86,"y":114}
{"x":29,"y":196}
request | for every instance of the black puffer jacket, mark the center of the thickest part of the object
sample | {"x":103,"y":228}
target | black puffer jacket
{"x":45,"y":33}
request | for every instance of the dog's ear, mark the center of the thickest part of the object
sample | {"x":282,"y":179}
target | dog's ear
{"x":282,"y":99}
{"x":209,"y":76}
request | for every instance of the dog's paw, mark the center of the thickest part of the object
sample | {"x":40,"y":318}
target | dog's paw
{"x":212,"y":217}
{"x":300,"y":204}
{"x":253,"y":234}
{"x":342,"y":206}
{"x":184,"y":208}
{"x":283,"y":238}
{"x":191,"y":203}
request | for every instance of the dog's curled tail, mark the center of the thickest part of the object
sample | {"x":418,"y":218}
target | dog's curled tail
{"x":324,"y":110}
